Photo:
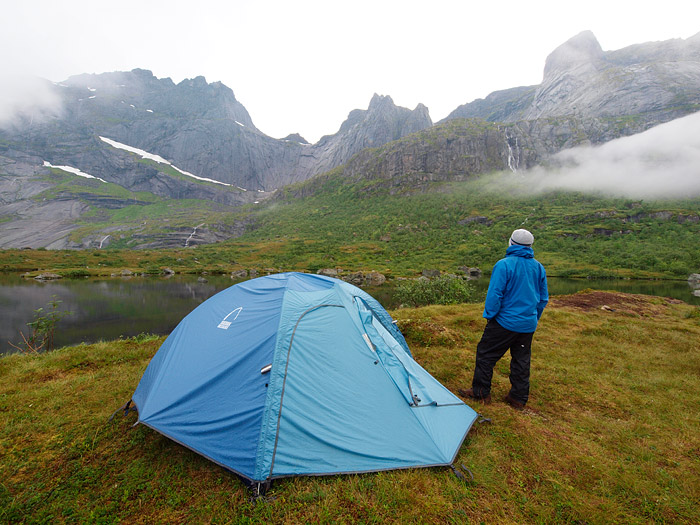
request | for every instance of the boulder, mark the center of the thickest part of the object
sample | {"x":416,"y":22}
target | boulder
{"x":356,"y":278}
{"x":239,"y":274}
{"x":47,"y":276}
{"x":430,"y":273}
{"x":328,"y":272}
{"x":694,"y":280}
{"x":375,"y":279}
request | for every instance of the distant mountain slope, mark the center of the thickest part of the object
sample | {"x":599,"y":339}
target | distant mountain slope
{"x":192,"y":140}
{"x":145,"y":141}
{"x":654,"y":81}
{"x":199,"y":127}
{"x":459,"y":149}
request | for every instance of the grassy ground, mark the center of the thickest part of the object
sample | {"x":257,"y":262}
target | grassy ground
{"x":446,"y":226}
{"x":611,"y":433}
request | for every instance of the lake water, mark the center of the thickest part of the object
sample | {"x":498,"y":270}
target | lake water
{"x":106,"y":309}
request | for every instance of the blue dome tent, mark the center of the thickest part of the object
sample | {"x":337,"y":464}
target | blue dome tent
{"x":298,"y":374}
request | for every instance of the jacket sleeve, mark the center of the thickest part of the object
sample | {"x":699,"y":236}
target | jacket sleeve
{"x":497,"y":286}
{"x":544,"y":294}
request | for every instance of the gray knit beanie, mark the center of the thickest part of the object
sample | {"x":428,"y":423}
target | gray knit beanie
{"x":522,"y":238}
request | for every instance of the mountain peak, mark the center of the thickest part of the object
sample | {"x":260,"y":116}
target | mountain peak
{"x":196,"y":82}
{"x":579,"y":50}
{"x":146,"y":73}
{"x":380,"y":100}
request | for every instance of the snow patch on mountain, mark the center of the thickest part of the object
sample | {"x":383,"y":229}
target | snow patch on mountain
{"x":157,"y":158}
{"x":74,"y":171}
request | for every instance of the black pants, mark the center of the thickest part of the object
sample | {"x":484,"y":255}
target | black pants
{"x":494,"y":343}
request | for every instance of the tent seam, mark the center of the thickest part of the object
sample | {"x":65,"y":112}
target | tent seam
{"x":284,"y":382}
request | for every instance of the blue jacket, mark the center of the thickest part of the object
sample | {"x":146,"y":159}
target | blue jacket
{"x":517,"y":291}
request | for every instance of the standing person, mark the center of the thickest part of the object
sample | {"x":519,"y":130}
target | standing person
{"x":515,"y":300}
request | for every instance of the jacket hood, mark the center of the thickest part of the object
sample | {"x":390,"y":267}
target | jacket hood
{"x":520,"y":251}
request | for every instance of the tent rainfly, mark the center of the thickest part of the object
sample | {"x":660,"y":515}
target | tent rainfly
{"x":298,"y":374}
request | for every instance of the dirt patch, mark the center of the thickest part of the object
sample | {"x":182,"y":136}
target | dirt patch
{"x":612,"y":302}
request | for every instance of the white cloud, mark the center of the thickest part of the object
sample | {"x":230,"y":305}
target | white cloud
{"x":662,"y":162}
{"x":28,"y":99}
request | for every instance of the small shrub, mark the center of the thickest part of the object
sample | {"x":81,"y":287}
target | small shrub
{"x":42,"y":328}
{"x":693,"y":314}
{"x":76,"y":274}
{"x":441,"y":290}
{"x":144,"y":337}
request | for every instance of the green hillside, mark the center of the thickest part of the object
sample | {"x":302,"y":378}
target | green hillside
{"x":446,"y":226}
{"x":468,"y":223}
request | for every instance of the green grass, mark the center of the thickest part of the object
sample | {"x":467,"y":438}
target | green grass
{"x":468,"y":223}
{"x":610,"y":434}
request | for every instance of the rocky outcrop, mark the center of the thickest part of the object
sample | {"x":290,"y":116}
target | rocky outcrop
{"x":372,"y":278}
{"x":380,"y":123}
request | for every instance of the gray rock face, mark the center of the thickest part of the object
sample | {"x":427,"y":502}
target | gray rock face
{"x":655,"y":82}
{"x":499,"y":106}
{"x":581,"y":79}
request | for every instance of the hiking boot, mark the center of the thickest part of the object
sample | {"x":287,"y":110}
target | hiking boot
{"x":469,"y":392}
{"x":517,"y":405}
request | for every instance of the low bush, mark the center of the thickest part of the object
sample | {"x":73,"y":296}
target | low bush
{"x":444,"y":289}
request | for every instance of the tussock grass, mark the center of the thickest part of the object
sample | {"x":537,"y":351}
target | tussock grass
{"x":611,"y":433}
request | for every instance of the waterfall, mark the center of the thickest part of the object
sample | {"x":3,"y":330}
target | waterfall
{"x":513,"y":151}
{"x":194,"y":232}
{"x":103,"y":240}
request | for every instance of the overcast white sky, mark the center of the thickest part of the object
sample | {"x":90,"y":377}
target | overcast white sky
{"x":303,"y":66}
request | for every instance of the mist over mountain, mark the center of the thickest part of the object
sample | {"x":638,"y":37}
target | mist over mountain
{"x":660,"y":163}
{"x":30,"y":99}
{"x":123,"y":139}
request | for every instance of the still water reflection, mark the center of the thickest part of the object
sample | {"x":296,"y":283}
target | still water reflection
{"x":103,"y":310}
